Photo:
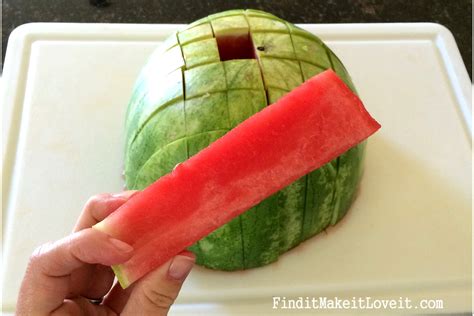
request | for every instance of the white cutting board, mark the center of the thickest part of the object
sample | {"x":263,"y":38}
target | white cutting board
{"x":408,"y":234}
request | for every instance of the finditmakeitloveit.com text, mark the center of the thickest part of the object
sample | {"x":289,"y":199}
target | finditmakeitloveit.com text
{"x":354,"y":303}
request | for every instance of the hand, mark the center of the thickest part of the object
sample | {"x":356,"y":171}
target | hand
{"x":72,"y":276}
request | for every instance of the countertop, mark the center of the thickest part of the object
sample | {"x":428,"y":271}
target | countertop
{"x":454,"y":14}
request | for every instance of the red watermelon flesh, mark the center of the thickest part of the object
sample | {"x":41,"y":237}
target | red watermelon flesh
{"x":314,"y":123}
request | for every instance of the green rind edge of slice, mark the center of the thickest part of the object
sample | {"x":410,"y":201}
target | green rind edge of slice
{"x":121,"y":277}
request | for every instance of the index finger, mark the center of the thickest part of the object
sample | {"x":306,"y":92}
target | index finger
{"x":99,"y":207}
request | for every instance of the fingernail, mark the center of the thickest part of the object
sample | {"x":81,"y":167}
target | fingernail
{"x":180,"y":267}
{"x":125,"y":194}
{"x":120,"y":245}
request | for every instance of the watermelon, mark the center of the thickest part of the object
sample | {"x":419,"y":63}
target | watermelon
{"x":304,"y":130}
{"x":206,"y":79}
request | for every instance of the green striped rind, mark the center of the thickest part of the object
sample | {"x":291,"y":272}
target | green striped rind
{"x":154,"y":88}
{"x":195,"y":33}
{"x":274,"y":44}
{"x":348,"y":176}
{"x":185,"y":98}
{"x":204,"y":79}
{"x":244,"y":103}
{"x":163,"y":128}
{"x":309,"y":70}
{"x":274,"y":94}
{"x":243,"y":74}
{"x":200,"y":53}
{"x":161,"y":163}
{"x":291,"y":211}
{"x":207,"y":113}
{"x":282,"y":74}
{"x":265,"y":23}
{"x":319,"y":199}
{"x":260,"y":234}
{"x":221,"y":249}
{"x":232,"y":24}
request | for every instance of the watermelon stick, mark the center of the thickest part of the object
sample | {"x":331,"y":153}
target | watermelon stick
{"x":311,"y":125}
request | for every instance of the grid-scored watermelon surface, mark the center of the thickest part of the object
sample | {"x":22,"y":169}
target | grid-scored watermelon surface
{"x":186,"y":97}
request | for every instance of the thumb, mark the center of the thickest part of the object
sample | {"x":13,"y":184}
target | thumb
{"x":156,"y":292}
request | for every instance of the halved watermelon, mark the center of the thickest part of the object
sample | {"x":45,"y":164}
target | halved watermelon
{"x":203,"y":81}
